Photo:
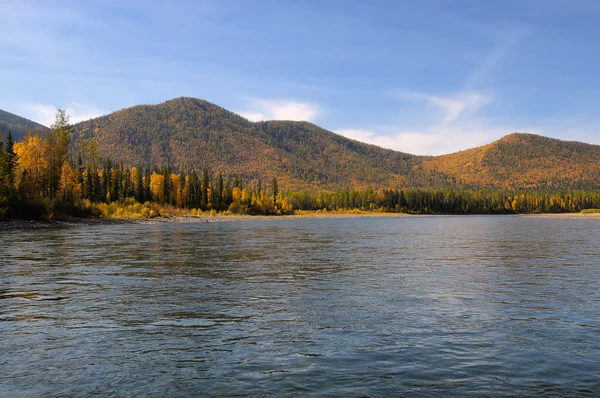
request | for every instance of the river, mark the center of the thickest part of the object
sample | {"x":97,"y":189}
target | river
{"x":417,"y":306}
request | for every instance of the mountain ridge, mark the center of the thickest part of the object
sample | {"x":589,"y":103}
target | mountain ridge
{"x":19,"y":126}
{"x":190,"y":133}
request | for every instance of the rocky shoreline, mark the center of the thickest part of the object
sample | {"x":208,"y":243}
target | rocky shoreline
{"x":77,"y":221}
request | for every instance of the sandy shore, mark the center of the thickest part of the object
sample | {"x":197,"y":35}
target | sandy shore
{"x":75,"y":221}
{"x":564,"y":216}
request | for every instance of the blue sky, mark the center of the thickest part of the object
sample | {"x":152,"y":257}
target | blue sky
{"x":424,"y":77}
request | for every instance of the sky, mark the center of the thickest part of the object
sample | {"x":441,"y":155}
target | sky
{"x":423,"y":77}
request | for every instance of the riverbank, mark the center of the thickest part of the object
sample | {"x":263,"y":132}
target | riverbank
{"x":75,"y":221}
{"x":564,"y":216}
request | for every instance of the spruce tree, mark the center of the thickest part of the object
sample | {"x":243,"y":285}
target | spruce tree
{"x":3,"y":176}
{"x":10,"y":160}
{"x":204,"y":196}
{"x":275,"y":190}
{"x":219,"y":196}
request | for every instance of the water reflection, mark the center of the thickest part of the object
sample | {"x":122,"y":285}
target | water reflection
{"x":423,"y":306}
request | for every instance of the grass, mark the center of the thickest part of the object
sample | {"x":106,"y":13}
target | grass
{"x":590,"y":211}
{"x":130,"y":209}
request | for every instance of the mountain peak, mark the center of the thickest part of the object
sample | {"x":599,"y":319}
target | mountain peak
{"x":188,"y":100}
{"x":519,"y":137}
{"x":190,"y":133}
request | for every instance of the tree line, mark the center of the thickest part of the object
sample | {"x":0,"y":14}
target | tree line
{"x":43,"y":176}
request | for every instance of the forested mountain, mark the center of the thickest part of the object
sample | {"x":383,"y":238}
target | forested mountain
{"x":188,"y":133}
{"x":522,"y":161}
{"x":18,"y":125}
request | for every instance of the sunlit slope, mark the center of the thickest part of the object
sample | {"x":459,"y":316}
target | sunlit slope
{"x":522,"y":161}
{"x":190,"y":133}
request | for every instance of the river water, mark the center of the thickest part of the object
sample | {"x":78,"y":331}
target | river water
{"x":420,"y":306}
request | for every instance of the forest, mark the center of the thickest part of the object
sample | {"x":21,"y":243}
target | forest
{"x":190,"y":133}
{"x":42,"y":176}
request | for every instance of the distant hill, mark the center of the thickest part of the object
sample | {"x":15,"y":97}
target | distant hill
{"x":188,"y":133}
{"x":522,"y":161}
{"x":18,"y":125}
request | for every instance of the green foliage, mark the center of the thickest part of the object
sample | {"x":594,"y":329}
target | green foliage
{"x":193,"y":156}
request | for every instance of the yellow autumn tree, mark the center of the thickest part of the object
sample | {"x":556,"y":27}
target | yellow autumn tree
{"x":68,"y":184}
{"x":31,"y":166}
{"x":157,"y":187}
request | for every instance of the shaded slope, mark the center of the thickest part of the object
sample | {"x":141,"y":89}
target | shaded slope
{"x":18,"y":125}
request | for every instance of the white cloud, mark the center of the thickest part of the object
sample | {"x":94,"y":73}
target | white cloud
{"x":358,"y":135}
{"x":45,"y":114}
{"x":442,"y":141}
{"x":253,"y":116}
{"x":451,"y":107}
{"x":263,"y":109}
{"x":450,"y":122}
{"x":456,"y":106}
{"x":436,"y":141}
{"x":454,"y":126}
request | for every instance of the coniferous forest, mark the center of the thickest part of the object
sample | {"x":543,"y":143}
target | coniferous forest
{"x":43,"y":176}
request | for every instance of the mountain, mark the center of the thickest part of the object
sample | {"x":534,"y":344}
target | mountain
{"x":18,"y":125}
{"x":522,"y":161}
{"x":188,"y":133}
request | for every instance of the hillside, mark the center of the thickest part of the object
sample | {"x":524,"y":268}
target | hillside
{"x":522,"y":161}
{"x":188,"y":133}
{"x":18,"y":125}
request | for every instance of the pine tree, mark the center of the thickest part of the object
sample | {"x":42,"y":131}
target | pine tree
{"x":139,"y":187}
{"x":3,"y":176}
{"x":275,"y":190}
{"x":204,"y":195}
{"x":219,"y":193}
{"x":10,"y":161}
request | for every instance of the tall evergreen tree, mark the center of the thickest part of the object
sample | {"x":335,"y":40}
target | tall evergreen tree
{"x":219,"y":193}
{"x":10,"y":161}
{"x":275,"y":190}
{"x":204,"y":196}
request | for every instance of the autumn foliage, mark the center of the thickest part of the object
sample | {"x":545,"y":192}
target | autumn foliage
{"x":47,"y":175}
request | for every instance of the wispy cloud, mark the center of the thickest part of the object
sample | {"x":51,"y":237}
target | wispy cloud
{"x":451,"y":108}
{"x":436,"y":141}
{"x":453,"y":121}
{"x":259,"y":109}
{"x":45,"y":114}
{"x":453,"y":125}
{"x":507,"y":42}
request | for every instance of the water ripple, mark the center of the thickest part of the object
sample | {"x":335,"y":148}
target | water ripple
{"x":429,"y":306}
